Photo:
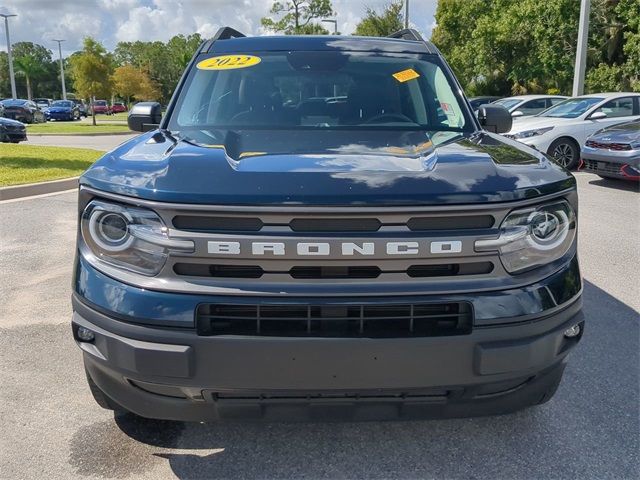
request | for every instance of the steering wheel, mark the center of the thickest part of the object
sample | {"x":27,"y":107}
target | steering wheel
{"x":389,"y":117}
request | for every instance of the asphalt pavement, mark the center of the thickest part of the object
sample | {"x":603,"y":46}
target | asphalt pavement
{"x":51,"y":428}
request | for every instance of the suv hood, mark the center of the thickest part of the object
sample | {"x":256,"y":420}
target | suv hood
{"x":416,"y":169}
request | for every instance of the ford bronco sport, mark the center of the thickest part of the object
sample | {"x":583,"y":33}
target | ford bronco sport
{"x":320,"y":227}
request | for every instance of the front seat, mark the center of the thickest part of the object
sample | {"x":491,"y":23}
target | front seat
{"x":260,"y":100}
{"x":368,"y":99}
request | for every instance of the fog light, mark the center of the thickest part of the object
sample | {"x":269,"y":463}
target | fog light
{"x":85,"y":335}
{"x":572,"y":332}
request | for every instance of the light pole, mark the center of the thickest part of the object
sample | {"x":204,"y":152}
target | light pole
{"x":406,"y":13}
{"x":581,"y":50}
{"x":64,"y":90}
{"x":335,"y":24}
{"x":11,"y":76}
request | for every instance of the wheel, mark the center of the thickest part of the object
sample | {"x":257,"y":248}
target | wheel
{"x":565,"y":152}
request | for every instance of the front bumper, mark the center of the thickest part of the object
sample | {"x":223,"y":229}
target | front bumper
{"x":173,"y":373}
{"x":60,"y":116}
{"x":614,"y":164}
{"x":13,"y":135}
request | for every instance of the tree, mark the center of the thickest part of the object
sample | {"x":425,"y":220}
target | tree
{"x":507,"y":47}
{"x":297,"y":17}
{"x":383,"y":24}
{"x":5,"y":83}
{"x":164,"y":63}
{"x":31,"y":61}
{"x":130,"y":81}
{"x":91,"y":71}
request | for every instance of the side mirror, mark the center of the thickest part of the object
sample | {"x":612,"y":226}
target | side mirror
{"x":144,"y":116}
{"x":598,"y":116}
{"x":495,"y":118}
{"x":517,"y":114}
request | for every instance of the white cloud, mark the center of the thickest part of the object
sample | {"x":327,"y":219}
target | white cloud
{"x":111,"y":21}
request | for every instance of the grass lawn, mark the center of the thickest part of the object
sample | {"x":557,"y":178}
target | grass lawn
{"x":119,"y":116}
{"x":29,"y":163}
{"x":77,"y":128}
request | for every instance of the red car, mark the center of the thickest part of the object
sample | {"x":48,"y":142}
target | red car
{"x":118,"y":107}
{"x":102,"y":106}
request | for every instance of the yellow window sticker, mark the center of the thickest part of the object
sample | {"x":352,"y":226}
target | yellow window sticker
{"x":406,"y":75}
{"x":228,"y":62}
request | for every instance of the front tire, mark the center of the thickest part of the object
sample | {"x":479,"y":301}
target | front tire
{"x":566,"y":152}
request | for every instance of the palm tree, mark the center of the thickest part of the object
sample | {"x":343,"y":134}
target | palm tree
{"x":30,"y":67}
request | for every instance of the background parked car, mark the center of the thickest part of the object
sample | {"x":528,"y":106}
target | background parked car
{"x":64,"y":110}
{"x":102,"y":106}
{"x":82,"y":107}
{"x":527,"y":105}
{"x":614,"y":152}
{"x":560,"y":130}
{"x":477,"y":101}
{"x":12,"y":131}
{"x":118,"y":107}
{"x":43,"y":104}
{"x":1,"y":110}
{"x":23,"y":110}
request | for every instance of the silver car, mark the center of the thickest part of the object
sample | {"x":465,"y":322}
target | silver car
{"x":614,"y":152}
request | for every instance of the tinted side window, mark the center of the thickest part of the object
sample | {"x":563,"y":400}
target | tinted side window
{"x":620,"y":107}
{"x":533,"y":106}
{"x":553,"y":101}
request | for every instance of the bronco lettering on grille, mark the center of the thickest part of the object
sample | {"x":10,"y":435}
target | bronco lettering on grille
{"x":314,"y":249}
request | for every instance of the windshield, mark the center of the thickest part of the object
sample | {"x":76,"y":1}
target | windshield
{"x":508,"y":103}
{"x":100,"y":103}
{"x":329,"y":90}
{"x":62,"y":103}
{"x":571,"y":108}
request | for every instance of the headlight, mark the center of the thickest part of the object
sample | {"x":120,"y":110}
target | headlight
{"x":127,"y":237}
{"x":533,"y":237}
{"x":532,"y":133}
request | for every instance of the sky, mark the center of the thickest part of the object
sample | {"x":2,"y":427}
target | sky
{"x":111,"y":21}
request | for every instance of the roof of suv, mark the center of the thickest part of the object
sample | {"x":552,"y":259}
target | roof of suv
{"x":318,"y":42}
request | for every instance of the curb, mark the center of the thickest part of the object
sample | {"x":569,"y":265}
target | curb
{"x":108,"y":134}
{"x":19,"y":191}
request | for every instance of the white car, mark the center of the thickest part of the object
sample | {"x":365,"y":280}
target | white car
{"x":527,"y":105}
{"x":561,"y":130}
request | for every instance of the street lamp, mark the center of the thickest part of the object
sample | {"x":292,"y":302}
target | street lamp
{"x":64,"y":90}
{"x":406,"y":13}
{"x":11,"y":76}
{"x":581,"y":50}
{"x":335,"y":24}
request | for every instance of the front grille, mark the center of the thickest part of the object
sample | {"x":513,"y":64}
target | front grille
{"x":295,"y":251}
{"x":344,"y":250}
{"x":602,"y":167}
{"x":420,"y":224}
{"x":201,"y":223}
{"x":14,"y":128}
{"x":608,"y":146}
{"x":336,"y":320}
{"x":332,"y":271}
{"x":250,"y":224}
